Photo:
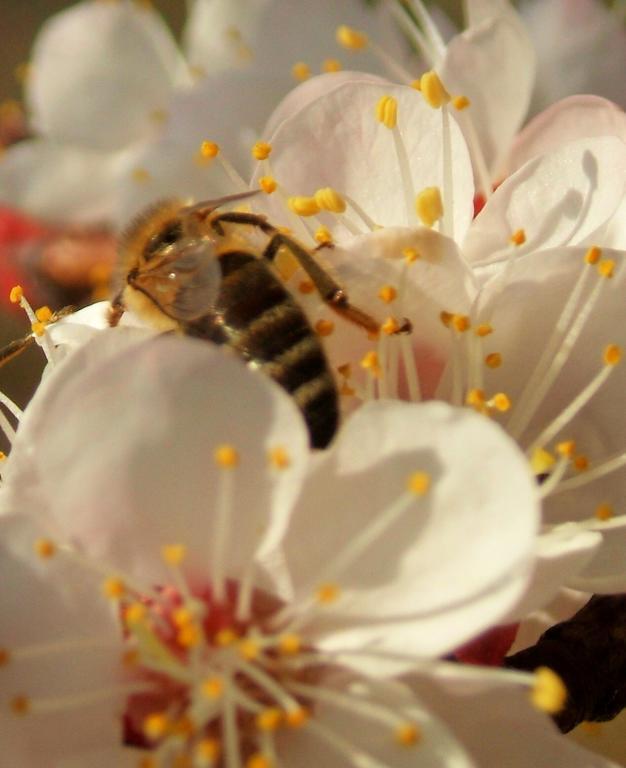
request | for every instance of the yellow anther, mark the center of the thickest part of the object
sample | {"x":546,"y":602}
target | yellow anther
{"x":387,"y":111}
{"x":261,"y":150}
{"x":323,"y":236}
{"x":461,"y":102}
{"x":327,"y":593}
{"x":612,"y":354}
{"x":182,"y":617}
{"x":460,"y":323}
{"x":38,"y":328}
{"x":189,"y":636}
{"x":289,"y":644}
{"x":411,"y":255}
{"x":208,"y":750}
{"x":604,"y":512}
{"x":306,"y":286}
{"x":301,"y":71}
{"x":297,"y":717}
{"x":140,"y":175}
{"x":131,"y":658}
{"x":581,"y":463}
{"x":493,"y":360}
{"x":350,"y":38}
{"x":135,"y":613}
{"x":387,"y":293}
{"x":500,"y":402}
{"x":43,"y":314}
{"x":269,"y":719}
{"x":541,"y":461}
{"x":249,"y":649}
{"x":429,"y":206}
{"x":416,"y":84}
{"x":331,"y":65}
{"x":226,"y":456}
{"x":113,"y":588}
{"x":3,"y":456}
{"x":45,"y":548}
{"x":324,"y":327}
{"x":518,"y":237}
{"x":408,"y":734}
{"x":433,"y":90}
{"x":212,"y":687}
{"x":5,"y":657}
{"x":484,"y":329}
{"x":20,"y":705}
{"x":566,"y":448}
{"x":390,"y":326}
{"x":548,"y":693}
{"x":328,"y":199}
{"x":279,"y":458}
{"x":209,"y":149}
{"x":173,"y":554}
{"x":475,"y":398}
{"x":303,"y":206}
{"x":268,"y":184}
{"x":606,"y":268}
{"x":419,"y":483}
{"x":225,"y":637}
{"x":371,"y":363}
{"x":259,"y":760}
{"x":156,"y":725}
{"x":593,"y":255}
{"x":16,"y":294}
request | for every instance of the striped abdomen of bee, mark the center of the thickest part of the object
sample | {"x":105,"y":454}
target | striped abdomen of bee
{"x":256,"y":316}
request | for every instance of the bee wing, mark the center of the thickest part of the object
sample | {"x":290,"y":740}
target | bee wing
{"x":186,"y":285}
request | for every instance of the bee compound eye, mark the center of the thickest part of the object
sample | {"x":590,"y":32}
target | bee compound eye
{"x":168,"y":235}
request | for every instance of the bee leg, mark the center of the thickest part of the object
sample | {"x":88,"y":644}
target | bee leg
{"x":330,"y":291}
{"x":236,"y":217}
{"x":116,"y":310}
{"x":15,"y":348}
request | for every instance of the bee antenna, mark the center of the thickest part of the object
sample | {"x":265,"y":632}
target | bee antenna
{"x":206,"y":206}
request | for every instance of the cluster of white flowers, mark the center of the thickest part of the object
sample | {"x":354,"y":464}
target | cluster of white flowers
{"x":185,"y":582}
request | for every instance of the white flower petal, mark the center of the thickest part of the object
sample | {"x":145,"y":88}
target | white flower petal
{"x":561,"y":198}
{"x":605,"y":574}
{"x":128,"y":67}
{"x":448,"y":552}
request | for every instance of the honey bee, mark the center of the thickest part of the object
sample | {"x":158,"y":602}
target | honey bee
{"x":201,"y":271}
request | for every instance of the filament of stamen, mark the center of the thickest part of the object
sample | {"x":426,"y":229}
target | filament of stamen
{"x":76,"y":700}
{"x":410,"y":368}
{"x":12,"y":407}
{"x":349,"y":751}
{"x":599,"y":470}
{"x":447,"y":227}
{"x":556,"y":475}
{"x":232,"y":753}
{"x":224,"y":507}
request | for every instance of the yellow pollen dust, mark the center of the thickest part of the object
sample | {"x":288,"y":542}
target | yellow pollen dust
{"x":173,"y":554}
{"x":460,"y":102}
{"x":331,"y":65}
{"x":581,"y":463}
{"x":416,"y":84}
{"x":387,"y":293}
{"x":303,"y":206}
{"x":20,"y":705}
{"x":182,"y":617}
{"x":38,"y":328}
{"x":16,"y":294}
{"x":144,"y":762}
{"x":323,"y":236}
{"x":493,"y":360}
{"x":371,"y":363}
{"x":433,"y":90}
{"x":113,"y":588}
{"x":135,"y":613}
{"x":226,"y":456}
{"x":390,"y":326}
{"x":189,"y":636}
{"x":604,"y":512}
{"x":460,"y":323}
{"x":225,"y":637}
{"x":475,"y":398}
{"x":446,"y":317}
{"x":419,"y":483}
{"x":249,"y":649}
{"x":387,"y":111}
{"x":566,"y":448}
{"x":350,"y":38}
{"x":130,"y":658}
{"x":268,"y":184}
{"x":212,"y":687}
{"x":408,"y":734}
{"x":208,"y":750}
{"x":209,"y":150}
{"x":43,"y":314}
{"x":429,"y":206}
{"x":297,"y":717}
{"x":501,"y":402}
{"x":606,"y":268}
{"x":140,"y":175}
{"x":327,"y":593}
{"x":328,"y":199}
{"x":259,"y":760}
{"x":289,"y":644}
{"x":593,"y":255}
{"x":269,"y":719}
{"x":306,"y":286}
{"x":483,"y":330}
{"x":5,"y":657}
{"x":411,"y":255}
{"x":612,"y":354}
{"x":518,"y":237}
{"x":156,"y":725}
{"x":541,"y":461}
{"x":279,"y":458}
{"x":44,"y":548}
{"x":549,"y":693}
{"x":261,"y":150}
{"x":324,"y":327}
{"x":301,"y":71}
